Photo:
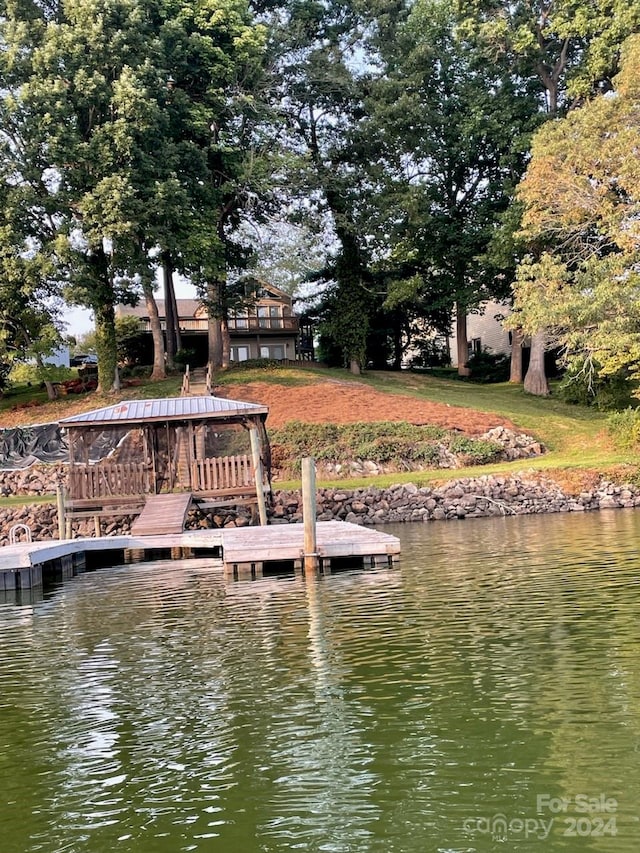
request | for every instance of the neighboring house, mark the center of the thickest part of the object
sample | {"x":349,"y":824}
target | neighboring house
{"x":485,"y":331}
{"x":267,"y":328}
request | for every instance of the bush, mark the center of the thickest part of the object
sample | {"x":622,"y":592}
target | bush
{"x":382,"y":442}
{"x":430,"y":352}
{"x":476,"y":451}
{"x":137,"y":371}
{"x":487,"y":367}
{"x":183,"y":357}
{"x":624,"y":427}
{"x":605,"y":393}
{"x":255,"y":363}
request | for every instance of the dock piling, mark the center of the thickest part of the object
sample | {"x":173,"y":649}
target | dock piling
{"x":311,"y":560}
{"x":60,"y":506}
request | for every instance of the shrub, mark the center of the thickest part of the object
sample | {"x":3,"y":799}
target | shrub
{"x":183,"y":357}
{"x":624,"y":427}
{"x":477,"y":451}
{"x":487,"y":366}
{"x":382,"y":442}
{"x":605,"y":393}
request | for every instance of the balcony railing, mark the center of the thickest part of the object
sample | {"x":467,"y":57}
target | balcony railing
{"x":240,"y":325}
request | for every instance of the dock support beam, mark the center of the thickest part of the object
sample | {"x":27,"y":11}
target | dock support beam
{"x":311,"y":561}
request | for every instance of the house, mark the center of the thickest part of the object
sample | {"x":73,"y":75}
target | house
{"x":265,"y":328}
{"x":485,"y":331}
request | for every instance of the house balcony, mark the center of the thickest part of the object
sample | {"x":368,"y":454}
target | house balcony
{"x":239,"y":325}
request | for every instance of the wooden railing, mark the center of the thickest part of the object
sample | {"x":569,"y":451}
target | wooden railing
{"x":108,"y":479}
{"x":237,"y":324}
{"x":263,"y":324}
{"x":222,"y":473}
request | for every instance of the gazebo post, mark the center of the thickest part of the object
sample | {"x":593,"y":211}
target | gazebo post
{"x":258,"y":472}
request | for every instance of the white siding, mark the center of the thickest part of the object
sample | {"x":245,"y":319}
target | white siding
{"x":485,"y":327}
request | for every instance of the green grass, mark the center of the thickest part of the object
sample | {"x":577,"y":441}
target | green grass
{"x":575,"y":436}
{"x":22,"y":500}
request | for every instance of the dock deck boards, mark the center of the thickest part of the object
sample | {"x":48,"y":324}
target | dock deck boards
{"x":286,"y":542}
{"x":162,"y":514}
{"x":243,"y":548}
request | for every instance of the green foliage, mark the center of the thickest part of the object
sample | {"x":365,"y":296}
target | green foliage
{"x":475,"y":451}
{"x":383,"y":442}
{"x":28,"y":373}
{"x":268,"y":364}
{"x":487,"y":366}
{"x":431,"y":352}
{"x":184,"y":357}
{"x":624,"y":428}
{"x":131,"y":340}
{"x":583,"y":385}
{"x":581,"y":195}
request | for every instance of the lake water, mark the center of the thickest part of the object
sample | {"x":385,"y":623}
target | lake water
{"x":483,"y":694}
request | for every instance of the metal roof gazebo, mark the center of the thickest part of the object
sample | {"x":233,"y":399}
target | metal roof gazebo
{"x":168,"y":446}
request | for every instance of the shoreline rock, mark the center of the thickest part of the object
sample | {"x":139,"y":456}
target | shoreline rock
{"x":484,"y":496}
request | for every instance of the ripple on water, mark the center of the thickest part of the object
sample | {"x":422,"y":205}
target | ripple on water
{"x":160,"y":707}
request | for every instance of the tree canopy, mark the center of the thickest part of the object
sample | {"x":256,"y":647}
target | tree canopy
{"x":581,"y":197}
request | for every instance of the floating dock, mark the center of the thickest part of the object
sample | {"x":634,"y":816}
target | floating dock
{"x":244,"y":551}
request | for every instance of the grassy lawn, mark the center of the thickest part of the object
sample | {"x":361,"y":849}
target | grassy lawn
{"x":575,"y":436}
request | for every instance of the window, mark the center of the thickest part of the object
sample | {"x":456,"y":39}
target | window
{"x":241,"y":320}
{"x":276,"y":352}
{"x":270,"y":316}
{"x":474,"y":346}
{"x":239,"y":353}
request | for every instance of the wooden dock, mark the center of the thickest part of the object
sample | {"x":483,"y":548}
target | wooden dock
{"x":245,"y":551}
{"x":253,"y":550}
{"x":162,"y":514}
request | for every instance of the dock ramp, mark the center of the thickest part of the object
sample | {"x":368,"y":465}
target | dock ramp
{"x":162,"y":514}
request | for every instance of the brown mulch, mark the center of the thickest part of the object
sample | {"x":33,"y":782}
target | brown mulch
{"x":331,"y":401}
{"x":345,"y":402}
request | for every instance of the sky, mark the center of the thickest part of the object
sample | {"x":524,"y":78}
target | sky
{"x":79,"y":321}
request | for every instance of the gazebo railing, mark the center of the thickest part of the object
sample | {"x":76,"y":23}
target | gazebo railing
{"x":222,"y":473}
{"x":106,"y":480}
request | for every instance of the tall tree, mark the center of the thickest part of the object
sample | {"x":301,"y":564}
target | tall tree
{"x":570,"y":48}
{"x":452,"y":133}
{"x":323,"y":55}
{"x":582,"y":196}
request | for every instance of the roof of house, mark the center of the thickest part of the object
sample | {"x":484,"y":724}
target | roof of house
{"x":167,"y":409}
{"x":186,"y":308}
{"x":191,"y":307}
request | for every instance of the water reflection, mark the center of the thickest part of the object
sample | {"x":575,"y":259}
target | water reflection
{"x":160,"y":708}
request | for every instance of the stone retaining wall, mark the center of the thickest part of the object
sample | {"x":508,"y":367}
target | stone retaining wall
{"x":472,"y":497}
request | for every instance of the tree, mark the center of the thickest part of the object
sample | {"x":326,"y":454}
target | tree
{"x":581,"y":197}
{"x":571,"y":48}
{"x":107,"y":116}
{"x":452,"y":132}
{"x":321,"y":56}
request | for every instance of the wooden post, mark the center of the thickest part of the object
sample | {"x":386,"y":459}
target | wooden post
{"x":96,"y":521}
{"x":311,"y":561}
{"x":60,"y":505}
{"x":259,"y":474}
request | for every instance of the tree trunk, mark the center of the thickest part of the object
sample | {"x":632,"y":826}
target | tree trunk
{"x":354,"y":367}
{"x":515,"y":375}
{"x":535,"y":382}
{"x":462,"y":343}
{"x":214,"y":331}
{"x":169,"y":317}
{"x":176,"y":316}
{"x":226,"y":342}
{"x":159,"y":371}
{"x":106,"y":347}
